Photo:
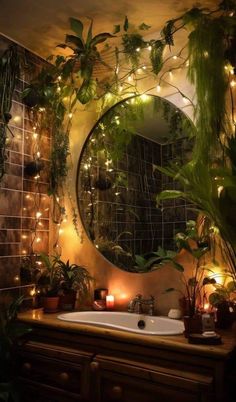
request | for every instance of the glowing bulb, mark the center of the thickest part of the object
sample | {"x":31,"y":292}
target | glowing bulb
{"x":35,"y":135}
{"x":17,"y":119}
{"x":38,"y":214}
{"x":150,"y":47}
{"x":206,"y":54}
{"x":139,"y":71}
{"x":38,"y":240}
{"x":28,"y":197}
{"x":58,"y":89}
{"x":16,"y":278}
{"x":32,"y":292}
{"x":144,"y":67}
{"x":144,"y":97}
{"x":61,"y":231}
{"x":219,"y":190}
{"x":233,"y":83}
{"x":37,"y":177}
{"x":38,"y":154}
{"x":59,"y":77}
{"x":24,"y":251}
{"x":175,"y":57}
{"x":39,"y":262}
{"x":158,"y":88}
{"x":138,"y":49}
{"x":24,"y":237}
{"x":42,"y":109}
{"x":185,"y":100}
{"x":70,"y":115}
{"x":130,"y":78}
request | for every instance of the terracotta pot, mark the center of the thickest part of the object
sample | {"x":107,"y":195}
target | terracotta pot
{"x":192,"y":325}
{"x":50,"y":304}
{"x":67,"y":301}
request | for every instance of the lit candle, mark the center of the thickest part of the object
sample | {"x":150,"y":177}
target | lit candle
{"x":110,"y":301}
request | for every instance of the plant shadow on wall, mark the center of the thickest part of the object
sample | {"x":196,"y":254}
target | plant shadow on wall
{"x":73,"y":81}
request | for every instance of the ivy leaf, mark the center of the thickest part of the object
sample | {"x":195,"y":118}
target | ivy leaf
{"x":167,"y":33}
{"x":100,"y":38}
{"x":116,"y":29}
{"x":87,"y":91}
{"x":156,"y":56}
{"x":126,"y":24}
{"x":144,"y":27}
{"x":77,"y":27}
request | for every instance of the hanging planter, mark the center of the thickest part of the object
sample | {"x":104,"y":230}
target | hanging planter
{"x":33,"y":168}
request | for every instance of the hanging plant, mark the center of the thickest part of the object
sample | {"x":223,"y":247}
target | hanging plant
{"x":9,"y":71}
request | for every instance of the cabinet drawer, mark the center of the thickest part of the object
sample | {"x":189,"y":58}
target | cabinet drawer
{"x":121,"y":381}
{"x":51,"y":372}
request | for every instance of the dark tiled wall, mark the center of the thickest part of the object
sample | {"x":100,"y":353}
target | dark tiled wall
{"x":21,"y":196}
{"x":131,"y":207}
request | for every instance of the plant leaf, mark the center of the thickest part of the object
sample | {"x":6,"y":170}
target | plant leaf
{"x":156,"y":56}
{"x":87,"y":91}
{"x":100,"y":38}
{"x":75,"y":41}
{"x":90,"y":34}
{"x":116,"y":29}
{"x":77,"y":27}
{"x":169,"y":195}
{"x":144,"y":27}
{"x":126,"y":24}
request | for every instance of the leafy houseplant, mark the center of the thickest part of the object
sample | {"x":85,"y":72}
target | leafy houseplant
{"x":48,"y":283}
{"x":223,"y":299}
{"x":10,"y":332}
{"x":73,"y":278}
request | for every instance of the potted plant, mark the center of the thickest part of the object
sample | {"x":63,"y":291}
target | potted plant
{"x":73,"y":278}
{"x":195,"y":245}
{"x":223,"y":299}
{"x":48,"y":282}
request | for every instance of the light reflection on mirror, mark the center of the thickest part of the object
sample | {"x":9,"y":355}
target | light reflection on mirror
{"x":118,"y":179}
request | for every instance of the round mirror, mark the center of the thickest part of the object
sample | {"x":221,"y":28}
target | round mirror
{"x":119,"y":176}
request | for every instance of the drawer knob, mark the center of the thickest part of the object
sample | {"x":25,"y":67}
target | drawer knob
{"x":27,"y":366}
{"x":116,"y":393}
{"x":64,"y":377}
{"x":94,"y":366}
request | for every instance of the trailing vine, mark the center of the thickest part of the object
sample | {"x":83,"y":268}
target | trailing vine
{"x":9,"y":71}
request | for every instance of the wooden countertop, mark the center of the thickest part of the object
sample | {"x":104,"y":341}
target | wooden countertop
{"x":175,"y":342}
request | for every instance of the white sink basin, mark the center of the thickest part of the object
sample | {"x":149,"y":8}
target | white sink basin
{"x":127,"y":322}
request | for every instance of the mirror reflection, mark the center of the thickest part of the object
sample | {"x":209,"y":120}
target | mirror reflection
{"x":118,"y":179}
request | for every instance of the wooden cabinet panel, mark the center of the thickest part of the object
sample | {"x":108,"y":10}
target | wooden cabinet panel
{"x":114,"y":380}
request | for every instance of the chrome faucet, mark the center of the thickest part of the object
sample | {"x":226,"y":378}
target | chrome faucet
{"x":135,"y":305}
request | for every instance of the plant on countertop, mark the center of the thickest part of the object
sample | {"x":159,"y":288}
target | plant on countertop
{"x":73,"y":277}
{"x":10,"y":332}
{"x":49,"y":279}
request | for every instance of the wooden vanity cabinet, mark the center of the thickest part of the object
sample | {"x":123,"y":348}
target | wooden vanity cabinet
{"x":66,"y":365}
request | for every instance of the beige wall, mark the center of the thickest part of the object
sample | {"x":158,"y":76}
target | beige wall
{"x":122,"y":284}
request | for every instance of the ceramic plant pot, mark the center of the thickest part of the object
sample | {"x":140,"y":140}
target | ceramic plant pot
{"x":67,"y":301}
{"x":50,"y":304}
{"x":192,"y":325}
